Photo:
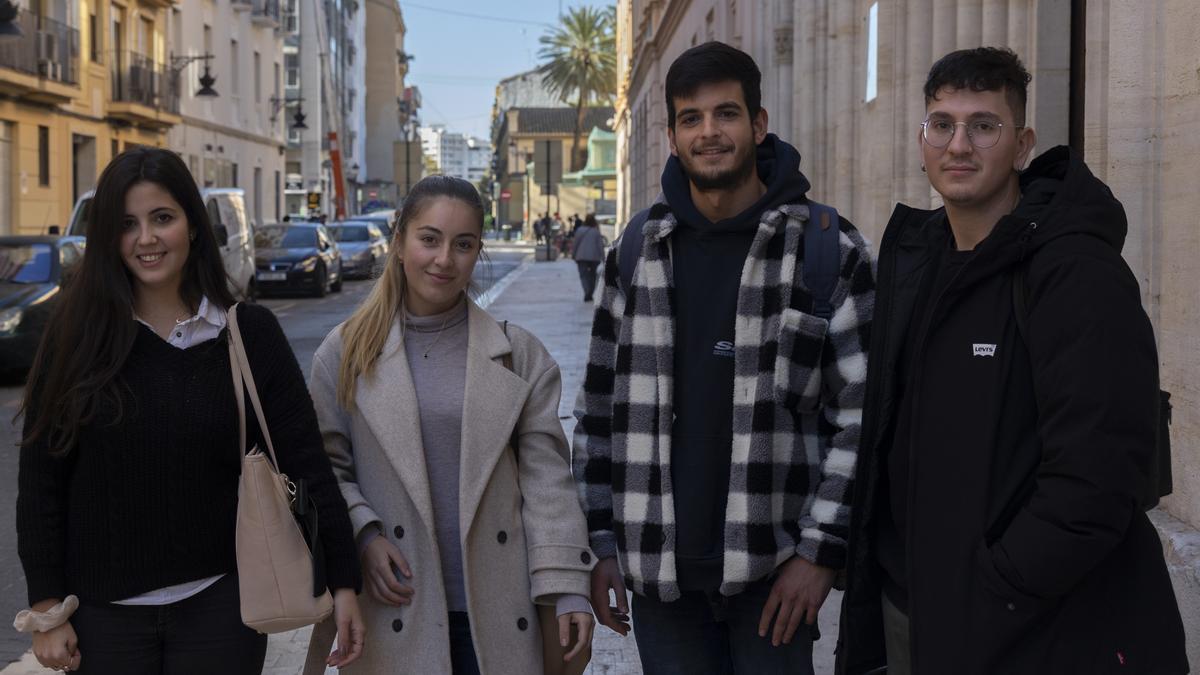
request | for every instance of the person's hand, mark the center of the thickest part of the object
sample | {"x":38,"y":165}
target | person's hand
{"x":584,"y":625}
{"x":798,"y":593}
{"x":57,"y":648}
{"x":381,"y":560}
{"x":606,"y":576}
{"x":350,"y":629}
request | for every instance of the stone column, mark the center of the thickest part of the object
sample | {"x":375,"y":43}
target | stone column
{"x":918,"y":58}
{"x":995,"y":22}
{"x":783,"y":55}
{"x":944,"y":33}
{"x":1018,"y":28}
{"x":969,"y":24}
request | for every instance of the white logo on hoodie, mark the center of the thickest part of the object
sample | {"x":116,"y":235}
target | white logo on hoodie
{"x":984,"y":350}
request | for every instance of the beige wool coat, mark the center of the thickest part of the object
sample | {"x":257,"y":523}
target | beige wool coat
{"x":523,"y":535}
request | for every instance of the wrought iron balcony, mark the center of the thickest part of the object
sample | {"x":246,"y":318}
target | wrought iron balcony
{"x":44,"y":59}
{"x":144,"y":91}
{"x":266,"y":13}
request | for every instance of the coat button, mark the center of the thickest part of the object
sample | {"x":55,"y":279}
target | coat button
{"x":502,"y":537}
{"x":522,"y":623}
{"x":398,"y":531}
{"x":397,"y":625}
{"x":1011,"y":607}
{"x":585,"y":557}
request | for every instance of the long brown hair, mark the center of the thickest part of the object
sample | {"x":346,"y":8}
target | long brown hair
{"x":366,"y":331}
{"x":91,"y":332}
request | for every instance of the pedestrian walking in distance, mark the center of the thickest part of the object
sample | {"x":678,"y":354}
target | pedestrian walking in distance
{"x":587,"y":248}
{"x":720,"y":413}
{"x":1012,"y":411}
{"x":128,"y":485}
{"x":442,"y":425}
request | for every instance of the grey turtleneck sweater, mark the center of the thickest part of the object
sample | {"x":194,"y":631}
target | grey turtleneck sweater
{"x":436,"y":347}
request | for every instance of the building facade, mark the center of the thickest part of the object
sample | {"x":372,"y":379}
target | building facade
{"x":322,"y":82}
{"x":234,"y":139}
{"x":456,"y":154}
{"x":86,"y":80}
{"x":386,"y":65}
{"x":842,"y":81}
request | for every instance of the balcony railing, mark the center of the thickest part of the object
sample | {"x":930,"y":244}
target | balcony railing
{"x":46,"y":48}
{"x":266,"y":12}
{"x":138,"y":79}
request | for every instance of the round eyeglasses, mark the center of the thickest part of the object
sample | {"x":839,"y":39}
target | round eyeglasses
{"x":982,"y":133}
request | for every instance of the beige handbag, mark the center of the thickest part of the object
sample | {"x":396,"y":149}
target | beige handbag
{"x":275,"y":565}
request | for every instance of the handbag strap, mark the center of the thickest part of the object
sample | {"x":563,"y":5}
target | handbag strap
{"x":243,"y":377}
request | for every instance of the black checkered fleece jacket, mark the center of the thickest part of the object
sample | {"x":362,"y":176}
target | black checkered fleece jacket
{"x":798,"y":396}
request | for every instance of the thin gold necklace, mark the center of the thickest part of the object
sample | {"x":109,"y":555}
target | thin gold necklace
{"x":439,"y":335}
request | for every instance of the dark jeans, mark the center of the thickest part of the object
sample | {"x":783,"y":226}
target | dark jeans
{"x":587,"y":276}
{"x":462,"y":650}
{"x":714,"y":634}
{"x":203,"y":634}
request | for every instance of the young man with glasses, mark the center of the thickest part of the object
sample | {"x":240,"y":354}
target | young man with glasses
{"x":1011,"y":415}
{"x":719,"y":417}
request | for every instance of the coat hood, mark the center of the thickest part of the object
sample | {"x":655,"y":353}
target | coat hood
{"x":778,"y":166}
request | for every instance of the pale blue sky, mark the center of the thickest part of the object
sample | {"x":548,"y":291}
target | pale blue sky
{"x":458,"y":60}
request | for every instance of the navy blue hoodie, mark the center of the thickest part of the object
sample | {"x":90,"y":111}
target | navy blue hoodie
{"x":707,"y":260}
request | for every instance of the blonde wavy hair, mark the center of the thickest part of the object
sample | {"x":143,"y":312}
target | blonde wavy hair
{"x":366,"y":331}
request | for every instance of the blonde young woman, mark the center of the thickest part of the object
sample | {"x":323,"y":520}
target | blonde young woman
{"x":418,"y":395}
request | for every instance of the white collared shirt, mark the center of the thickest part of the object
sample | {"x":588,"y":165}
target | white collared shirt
{"x":207,"y":324}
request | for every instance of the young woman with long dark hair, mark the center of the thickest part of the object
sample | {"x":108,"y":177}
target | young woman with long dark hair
{"x":420,"y":395}
{"x":130,"y":455}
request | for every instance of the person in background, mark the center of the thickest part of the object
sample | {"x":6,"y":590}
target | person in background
{"x":128,"y":479}
{"x":442,"y":425}
{"x":587,"y":248}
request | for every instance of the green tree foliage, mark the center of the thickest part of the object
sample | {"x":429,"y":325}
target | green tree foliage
{"x":580,"y":65}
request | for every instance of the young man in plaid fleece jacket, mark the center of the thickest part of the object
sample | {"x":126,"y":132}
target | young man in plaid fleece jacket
{"x":719,"y":417}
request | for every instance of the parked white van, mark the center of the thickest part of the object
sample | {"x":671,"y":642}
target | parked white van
{"x":227,"y":211}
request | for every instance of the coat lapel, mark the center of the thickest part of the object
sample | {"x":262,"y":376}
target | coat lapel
{"x":492,"y":402}
{"x":388,"y":403}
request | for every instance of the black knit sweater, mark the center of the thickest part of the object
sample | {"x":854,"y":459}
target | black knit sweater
{"x":151,"y":501}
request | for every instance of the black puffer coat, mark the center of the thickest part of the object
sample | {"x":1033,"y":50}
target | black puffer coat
{"x":1026,"y":549}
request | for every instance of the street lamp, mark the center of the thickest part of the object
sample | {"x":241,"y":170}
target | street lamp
{"x":178,"y":63}
{"x":9,"y":28}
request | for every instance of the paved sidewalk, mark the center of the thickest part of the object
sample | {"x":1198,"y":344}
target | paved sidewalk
{"x":546,"y":299}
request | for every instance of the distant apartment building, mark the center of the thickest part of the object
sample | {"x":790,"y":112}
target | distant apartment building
{"x":456,"y":154}
{"x":236,"y":138}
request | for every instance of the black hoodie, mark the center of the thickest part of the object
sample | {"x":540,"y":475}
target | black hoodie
{"x":707,"y":260}
{"x":1025,"y":549}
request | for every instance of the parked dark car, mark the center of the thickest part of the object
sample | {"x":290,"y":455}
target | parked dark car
{"x":296,"y":258}
{"x":363,"y":245}
{"x":384,"y":219}
{"x":32,"y":272}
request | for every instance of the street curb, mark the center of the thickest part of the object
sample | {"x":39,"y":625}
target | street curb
{"x":490,"y":295}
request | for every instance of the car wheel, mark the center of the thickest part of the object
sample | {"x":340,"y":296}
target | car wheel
{"x":336,"y":287}
{"x":322,"y":283}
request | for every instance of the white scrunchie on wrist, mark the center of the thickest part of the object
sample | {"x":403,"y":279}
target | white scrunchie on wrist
{"x":29,"y":621}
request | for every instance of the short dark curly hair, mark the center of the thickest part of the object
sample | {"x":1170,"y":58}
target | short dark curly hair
{"x":982,"y":69}
{"x":710,"y":63}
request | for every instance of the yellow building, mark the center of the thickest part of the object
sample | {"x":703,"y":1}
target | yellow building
{"x":85,"y":80}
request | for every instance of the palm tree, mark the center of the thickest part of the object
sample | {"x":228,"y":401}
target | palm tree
{"x":581,"y":64}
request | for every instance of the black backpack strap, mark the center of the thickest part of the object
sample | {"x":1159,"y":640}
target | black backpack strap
{"x":822,"y":257}
{"x":631,"y":248}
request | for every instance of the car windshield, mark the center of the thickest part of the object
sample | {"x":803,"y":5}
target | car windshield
{"x":79,"y":223}
{"x":284,"y":236}
{"x":25,"y":263}
{"x":343,"y":233}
